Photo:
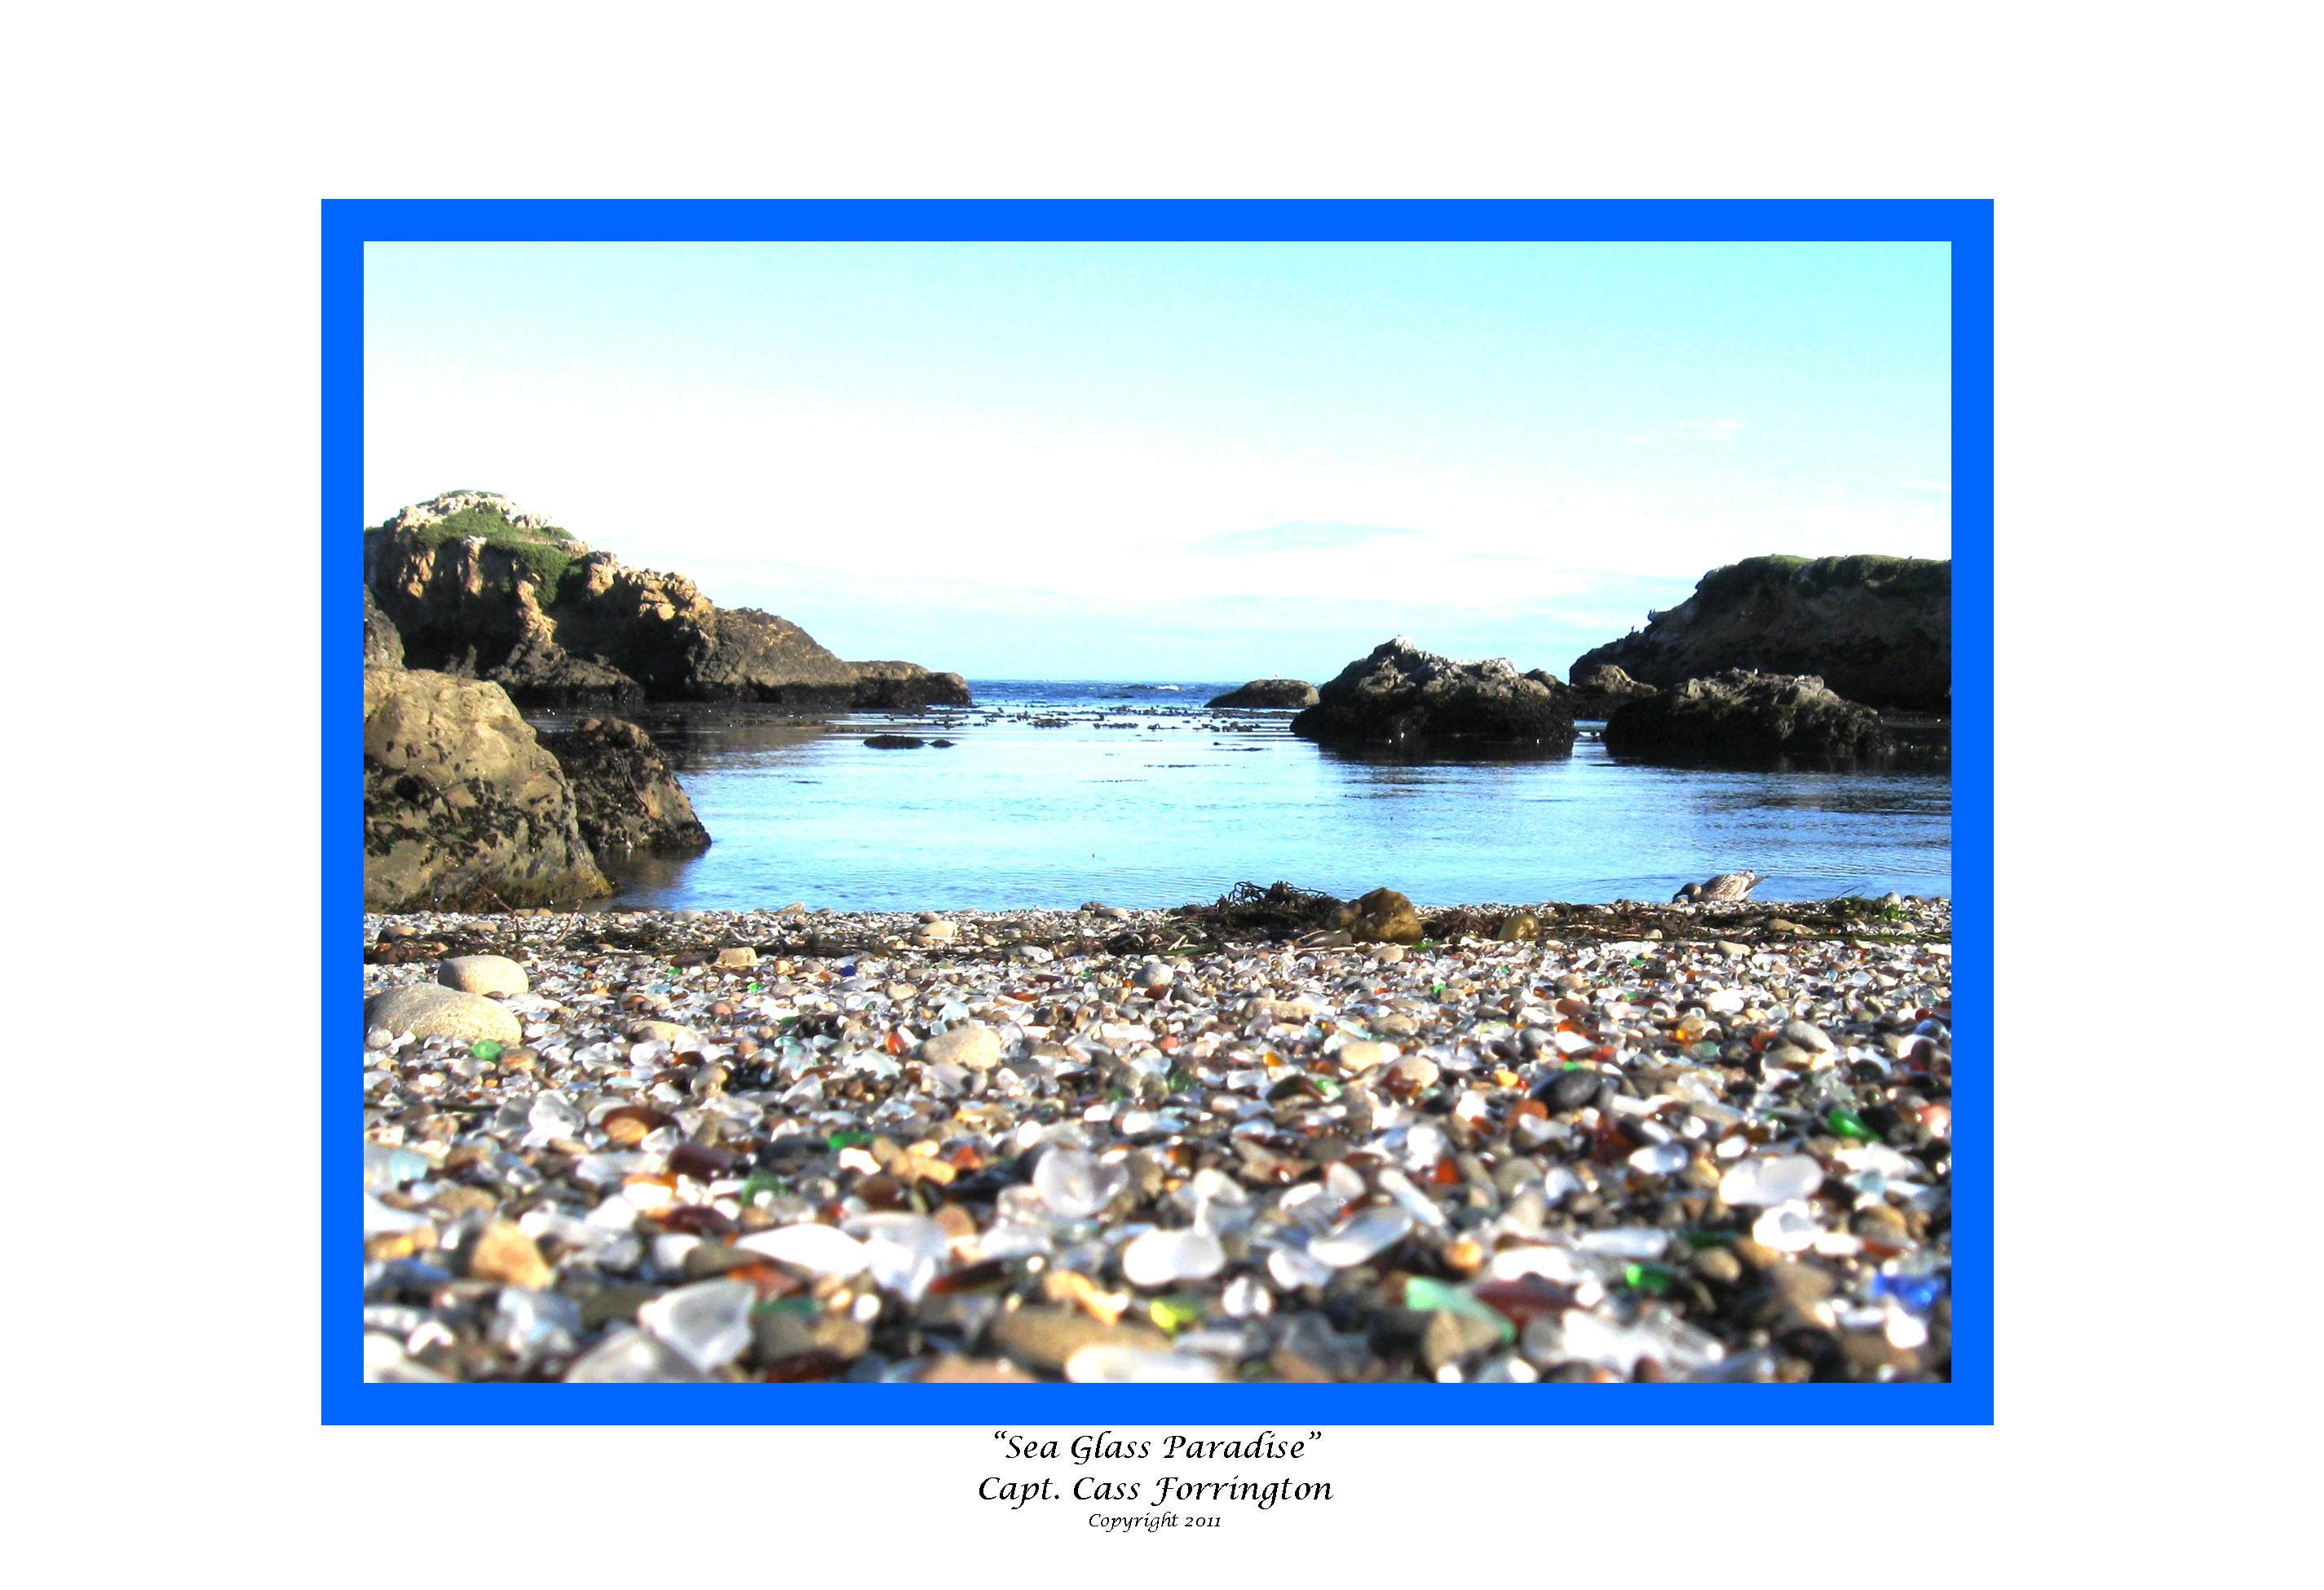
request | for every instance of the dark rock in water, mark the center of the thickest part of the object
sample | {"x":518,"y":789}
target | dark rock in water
{"x":383,"y":647}
{"x":1877,"y":629}
{"x":1405,"y":699}
{"x":479,"y":588}
{"x":1742,"y":719}
{"x":894,"y":742}
{"x":626,"y":796}
{"x":941,"y":745}
{"x":464,"y":809}
{"x":1269,"y":695}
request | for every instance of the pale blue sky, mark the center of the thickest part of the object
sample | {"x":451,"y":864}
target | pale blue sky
{"x":1176,"y":461}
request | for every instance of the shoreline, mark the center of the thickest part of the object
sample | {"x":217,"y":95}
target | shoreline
{"x":1656,"y":1142}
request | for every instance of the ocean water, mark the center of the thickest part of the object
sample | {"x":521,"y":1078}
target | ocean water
{"x":1137,"y":795}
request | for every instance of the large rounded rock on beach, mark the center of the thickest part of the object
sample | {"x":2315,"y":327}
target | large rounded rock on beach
{"x":1403,"y":699}
{"x":483,"y":974}
{"x":430,"y":1010}
{"x":1740,"y":719}
{"x":1268,"y":696}
{"x":463,"y":808}
{"x":971,"y":1043}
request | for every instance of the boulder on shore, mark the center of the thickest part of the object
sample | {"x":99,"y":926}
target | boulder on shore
{"x":625,"y":795}
{"x":1877,"y":629}
{"x":1269,"y":695}
{"x":1743,"y":719}
{"x":1415,"y":701}
{"x":464,"y":809}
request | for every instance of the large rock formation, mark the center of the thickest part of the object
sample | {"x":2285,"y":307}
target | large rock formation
{"x":905,"y":688}
{"x":383,"y":647}
{"x":1878,"y":629}
{"x":1269,"y":695}
{"x":478,"y":587}
{"x":1743,"y":719}
{"x":1414,"y":702}
{"x":625,"y":795}
{"x":463,"y":807}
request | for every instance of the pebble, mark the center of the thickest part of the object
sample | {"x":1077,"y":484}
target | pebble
{"x":1161,"y":1258}
{"x":1807,"y":1035}
{"x":972,"y":1044}
{"x":1076,"y":1186}
{"x":483,"y":974}
{"x":1362,"y":1054}
{"x":736,"y":958}
{"x":502,"y":1251}
{"x":1565,"y":1090}
{"x":707,"y":1324}
{"x":1045,"y":1338}
{"x":681,"y":1039}
{"x":1770,"y":1179}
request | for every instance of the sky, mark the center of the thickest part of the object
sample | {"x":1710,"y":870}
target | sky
{"x":1177,"y":462}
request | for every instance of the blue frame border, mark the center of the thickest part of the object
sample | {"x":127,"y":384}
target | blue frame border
{"x":347,"y":224}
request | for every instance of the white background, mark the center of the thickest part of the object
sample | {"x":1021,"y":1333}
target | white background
{"x":2157,"y":439}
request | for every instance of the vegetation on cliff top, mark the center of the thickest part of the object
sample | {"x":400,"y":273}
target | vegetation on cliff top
{"x":1875,"y":572}
{"x":545,"y":550}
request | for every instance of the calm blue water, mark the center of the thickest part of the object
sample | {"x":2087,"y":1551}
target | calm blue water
{"x":1141,"y":796}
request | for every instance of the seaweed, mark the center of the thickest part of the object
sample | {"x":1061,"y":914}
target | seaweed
{"x":1279,"y":910}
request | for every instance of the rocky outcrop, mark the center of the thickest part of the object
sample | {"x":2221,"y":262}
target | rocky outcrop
{"x":464,"y":809}
{"x":1414,"y":702}
{"x":905,"y":688}
{"x":1743,"y":719}
{"x":1269,"y":695}
{"x":478,"y":587}
{"x":383,"y":647}
{"x":1878,"y":629}
{"x":625,"y":794}
{"x":1603,"y":688}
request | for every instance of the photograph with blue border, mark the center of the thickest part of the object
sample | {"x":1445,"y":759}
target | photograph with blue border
{"x":1190,"y":991}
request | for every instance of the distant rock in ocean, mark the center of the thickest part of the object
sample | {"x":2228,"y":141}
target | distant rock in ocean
{"x":1743,"y":719}
{"x":1876,"y":630}
{"x":1402,"y":699}
{"x":1269,"y":695}
{"x":475,"y":585}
